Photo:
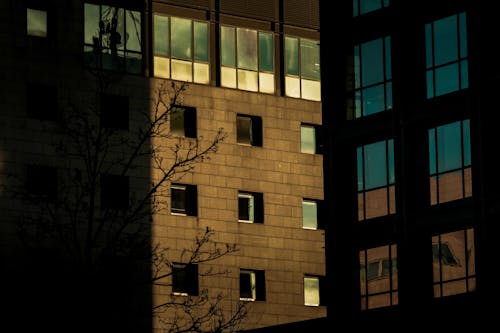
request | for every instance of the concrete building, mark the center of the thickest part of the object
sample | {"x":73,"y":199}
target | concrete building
{"x":252,"y":69}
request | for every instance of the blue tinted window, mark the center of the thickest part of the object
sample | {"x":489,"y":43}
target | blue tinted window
{"x":445,"y":40}
{"x":449,"y":147}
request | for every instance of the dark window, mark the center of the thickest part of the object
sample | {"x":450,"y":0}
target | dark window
{"x":184,"y":199}
{"x":185,"y":279}
{"x":114,"y":111}
{"x":310,"y":139}
{"x":249,"y":130}
{"x":41,"y":101}
{"x":114,"y":192}
{"x":183,"y":121}
{"x":250,"y":207}
{"x":112,"y":38}
{"x":252,"y":285}
{"x":41,"y":182}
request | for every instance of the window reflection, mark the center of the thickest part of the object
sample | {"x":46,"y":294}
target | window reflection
{"x":454,"y":270}
{"x":450,"y":162}
{"x":376,"y":189}
{"x":446,"y":55}
{"x":361,"y":7}
{"x":378,"y":277}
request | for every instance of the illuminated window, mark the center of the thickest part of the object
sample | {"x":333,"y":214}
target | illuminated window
{"x":446,"y":46}
{"x":302,"y":68}
{"x":252,"y":285}
{"x":184,"y":199}
{"x":112,"y":38}
{"x":372,"y":84}
{"x":378,"y":277}
{"x":361,"y":7}
{"x":250,"y":207}
{"x":181,"y":49}
{"x":248,"y":130}
{"x":450,"y":162}
{"x":310,"y":140}
{"x":183,"y":121}
{"x":376,"y":189}
{"x":310,"y":214}
{"x":454,"y":267}
{"x":36,"y":22}
{"x":312,"y":285}
{"x":247,"y":59}
{"x":185,"y":279}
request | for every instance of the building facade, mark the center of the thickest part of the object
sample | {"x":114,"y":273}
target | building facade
{"x":252,"y":70}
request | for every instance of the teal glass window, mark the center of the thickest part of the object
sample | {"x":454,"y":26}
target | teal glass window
{"x":376,"y":180}
{"x":450,"y":162}
{"x":302,"y":68}
{"x":446,"y":55}
{"x":112,"y":38}
{"x":453,"y":264}
{"x":378,"y":277}
{"x":247,"y":59}
{"x":181,"y":49}
{"x":360,"y":7}
{"x":373,"y":77}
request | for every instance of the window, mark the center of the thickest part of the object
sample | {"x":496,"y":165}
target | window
{"x":247,"y":59}
{"x":312,"y":285}
{"x":183,"y":121}
{"x":185,"y":279}
{"x":41,"y":101}
{"x":114,"y":192}
{"x":114,"y":111}
{"x":446,"y":46}
{"x":372,"y":71}
{"x":454,"y":269}
{"x":36,"y":22}
{"x":311,"y":212}
{"x":310,"y":139}
{"x":361,"y":7}
{"x":41,"y":183}
{"x":250,"y":207}
{"x":450,"y":162}
{"x":378,"y":277}
{"x":112,"y":38}
{"x":302,"y":68}
{"x":181,"y":49}
{"x":376,"y":189}
{"x":252,"y":285}
{"x":184,"y":199}
{"x":249,"y":130}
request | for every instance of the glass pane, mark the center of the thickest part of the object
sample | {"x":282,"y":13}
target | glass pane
{"x":430,"y":83}
{"x":309,"y":215}
{"x":266,"y":59}
{"x":357,"y":103}
{"x":228,"y":77}
{"x":292,"y":86}
{"x":388,"y":96}
{"x":390,"y":158}
{"x":376,"y":204}
{"x":91,"y":25}
{"x":37,"y":22}
{"x":307,"y":139}
{"x":201,"y":73}
{"x":359,"y":160}
{"x":446,"y":79}
{"x":471,"y":252}
{"x":243,"y":130}
{"x":357,"y":67}
{"x":428,"y":46}
{"x":388,"y":66}
{"x":178,"y":200}
{"x":433,"y":190}
{"x":134,"y":62}
{"x":361,"y":206}
{"x":450,"y":186}
{"x":133,"y":31}
{"x":432,"y":151}
{"x":228,"y":48}
{"x":311,"y":90}
{"x":449,"y":147}
{"x":445,"y":40}
{"x":372,"y":62}
{"x":309,"y":59}
{"x":464,"y":74}
{"x":266,"y":83}
{"x":462,"y":21}
{"x":161,"y":31}
{"x":467,"y":182}
{"x":367,"y":6}
{"x":355,"y":8}
{"x":162,"y":67}
{"x":182,"y":70}
{"x":377,"y":283}
{"x":248,"y":80}
{"x":181,"y":38}
{"x":291,"y":56}
{"x":311,"y":291}
{"x":247,"y":48}
{"x":362,"y":272}
{"x":466,"y":142}
{"x":201,"y":41}
{"x":373,"y":100}
{"x":375,"y":165}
